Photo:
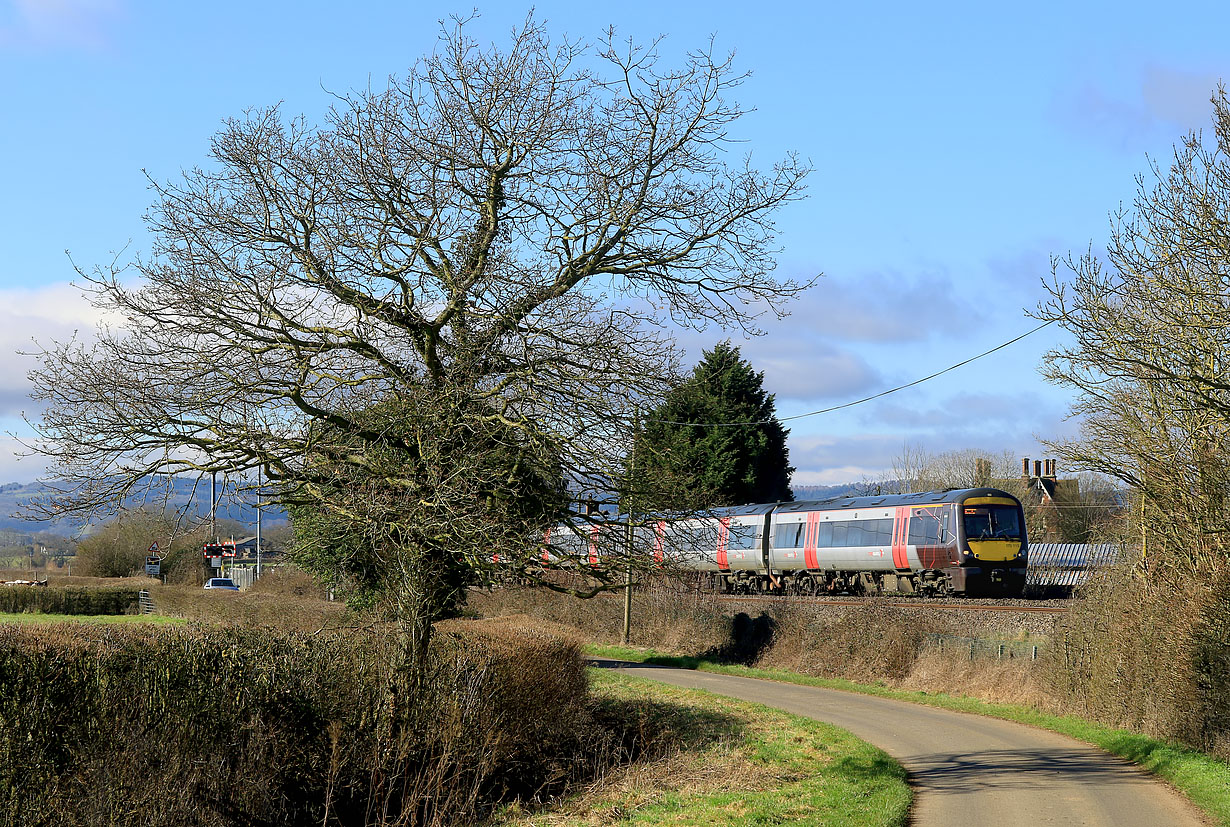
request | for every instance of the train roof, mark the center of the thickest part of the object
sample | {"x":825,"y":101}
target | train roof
{"x":950,"y":495}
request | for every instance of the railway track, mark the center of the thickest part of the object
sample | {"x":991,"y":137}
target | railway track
{"x":921,"y":603}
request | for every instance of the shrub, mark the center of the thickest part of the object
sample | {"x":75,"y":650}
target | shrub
{"x":215,"y":726}
{"x":1151,"y":651}
{"x":68,"y":600}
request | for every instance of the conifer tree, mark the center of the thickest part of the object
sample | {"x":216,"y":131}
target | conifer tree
{"x":714,"y":441}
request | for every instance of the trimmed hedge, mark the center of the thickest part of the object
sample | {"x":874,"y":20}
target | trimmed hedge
{"x":174,"y":726}
{"x":67,"y":600}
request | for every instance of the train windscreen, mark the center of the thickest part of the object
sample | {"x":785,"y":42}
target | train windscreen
{"x":992,"y":522}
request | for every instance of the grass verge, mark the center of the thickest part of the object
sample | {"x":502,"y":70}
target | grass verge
{"x":730,"y":763}
{"x":38,"y":618}
{"x":1200,"y":777}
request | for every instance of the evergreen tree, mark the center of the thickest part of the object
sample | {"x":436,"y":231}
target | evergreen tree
{"x":678,"y":465}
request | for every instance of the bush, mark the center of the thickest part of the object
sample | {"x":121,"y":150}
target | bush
{"x":68,"y":601}
{"x":229,"y":726}
{"x":1150,"y":651}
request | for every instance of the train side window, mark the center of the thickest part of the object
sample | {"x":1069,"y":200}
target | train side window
{"x":786,"y":535}
{"x":884,"y":532}
{"x":840,"y":533}
{"x":856,"y":534}
{"x":925,"y":529}
{"x":742,"y":537}
{"x":824,"y":535}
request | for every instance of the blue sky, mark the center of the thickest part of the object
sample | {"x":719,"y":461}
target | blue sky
{"x":956,"y":147}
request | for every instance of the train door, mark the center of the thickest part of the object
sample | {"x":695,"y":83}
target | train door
{"x":901,"y":559}
{"x":809,"y":542}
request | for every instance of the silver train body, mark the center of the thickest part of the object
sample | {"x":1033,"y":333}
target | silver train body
{"x":962,"y":542}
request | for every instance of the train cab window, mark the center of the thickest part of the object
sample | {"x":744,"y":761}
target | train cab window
{"x":991,"y":522}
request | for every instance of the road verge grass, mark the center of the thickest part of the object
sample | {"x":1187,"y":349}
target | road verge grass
{"x":1202,"y":778}
{"x":716,"y":761}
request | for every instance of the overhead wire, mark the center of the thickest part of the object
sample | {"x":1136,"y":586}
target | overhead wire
{"x":857,"y":401}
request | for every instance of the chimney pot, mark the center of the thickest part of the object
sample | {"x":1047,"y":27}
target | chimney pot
{"x":1025,"y":468}
{"x":1037,"y":468}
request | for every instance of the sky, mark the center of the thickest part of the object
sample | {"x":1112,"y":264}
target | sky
{"x":956,"y":148}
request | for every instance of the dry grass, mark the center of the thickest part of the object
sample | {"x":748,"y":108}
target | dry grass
{"x":871,"y":643}
{"x":708,"y":760}
{"x":56,"y":577}
{"x":995,"y":681}
{"x":250,"y":608}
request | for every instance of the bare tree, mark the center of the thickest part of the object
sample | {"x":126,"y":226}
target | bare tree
{"x":477,"y":260}
{"x":1151,"y":356}
{"x":1150,"y":363}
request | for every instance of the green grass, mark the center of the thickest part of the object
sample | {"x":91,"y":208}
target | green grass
{"x":1202,"y":778}
{"x":738,"y":764}
{"x":40,"y":618}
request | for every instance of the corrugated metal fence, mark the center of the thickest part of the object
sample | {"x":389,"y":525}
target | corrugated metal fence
{"x":1067,"y":564}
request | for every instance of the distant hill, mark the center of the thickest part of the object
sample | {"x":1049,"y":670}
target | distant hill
{"x":826,"y":492}
{"x":14,"y":495}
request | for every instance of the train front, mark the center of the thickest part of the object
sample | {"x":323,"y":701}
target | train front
{"x":992,"y":542}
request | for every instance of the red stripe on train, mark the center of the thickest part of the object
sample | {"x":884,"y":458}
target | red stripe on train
{"x":900,"y":535}
{"x":809,"y":541}
{"x":723,"y":538}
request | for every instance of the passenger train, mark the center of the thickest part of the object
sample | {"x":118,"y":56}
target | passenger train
{"x":959,"y":542}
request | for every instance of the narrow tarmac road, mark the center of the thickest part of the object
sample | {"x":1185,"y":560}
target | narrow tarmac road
{"x":967,"y":770}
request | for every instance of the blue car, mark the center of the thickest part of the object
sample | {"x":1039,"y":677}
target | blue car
{"x":221,"y":583}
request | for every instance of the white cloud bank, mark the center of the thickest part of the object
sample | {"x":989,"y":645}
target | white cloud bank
{"x":29,"y":318}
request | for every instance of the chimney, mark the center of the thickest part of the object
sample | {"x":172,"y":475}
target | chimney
{"x":1025,"y":468}
{"x":591,"y":508}
{"x":1050,"y":468}
{"x":982,"y":471}
{"x":1037,"y":468}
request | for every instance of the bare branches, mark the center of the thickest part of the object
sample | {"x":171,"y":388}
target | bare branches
{"x":1151,"y":344}
{"x":470,"y":248}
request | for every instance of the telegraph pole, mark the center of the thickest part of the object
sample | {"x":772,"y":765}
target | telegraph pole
{"x":258,"y":522}
{"x":627,"y":636}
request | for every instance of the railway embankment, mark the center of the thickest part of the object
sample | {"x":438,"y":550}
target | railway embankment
{"x":997,"y":651}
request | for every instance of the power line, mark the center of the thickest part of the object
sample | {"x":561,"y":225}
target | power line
{"x":865,"y":398}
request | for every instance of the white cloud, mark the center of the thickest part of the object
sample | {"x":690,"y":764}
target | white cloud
{"x":15,"y":466}
{"x":41,"y":23}
{"x":806,"y":368}
{"x":29,"y":316}
{"x":962,"y":410}
{"x":1160,"y":102}
{"x":885,"y":306}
